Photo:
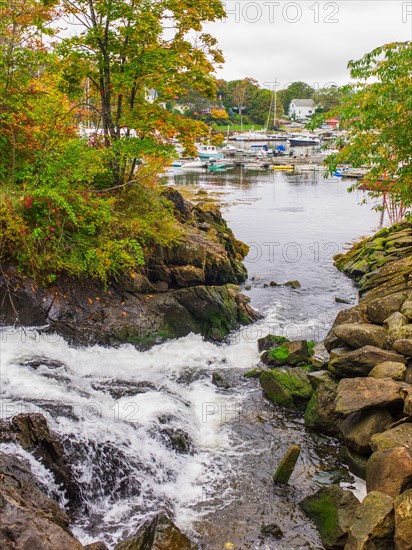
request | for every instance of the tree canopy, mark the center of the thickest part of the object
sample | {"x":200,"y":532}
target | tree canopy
{"x":85,"y":202}
{"x":377,"y":118}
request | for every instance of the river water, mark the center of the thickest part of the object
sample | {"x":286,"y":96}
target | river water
{"x":178,"y":428}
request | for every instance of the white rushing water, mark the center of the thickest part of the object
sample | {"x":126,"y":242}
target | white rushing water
{"x":153,"y":430}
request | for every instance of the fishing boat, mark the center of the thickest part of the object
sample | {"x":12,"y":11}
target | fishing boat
{"x":209,"y":152}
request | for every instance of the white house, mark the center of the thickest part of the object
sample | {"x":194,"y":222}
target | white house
{"x":301,"y":108}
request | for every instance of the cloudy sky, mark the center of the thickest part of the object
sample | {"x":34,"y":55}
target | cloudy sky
{"x":305,"y":40}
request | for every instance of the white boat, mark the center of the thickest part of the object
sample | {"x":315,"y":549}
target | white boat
{"x":196,"y":163}
{"x":209,"y":152}
{"x":250,"y":136}
{"x":277,"y":137}
{"x":297,"y":140}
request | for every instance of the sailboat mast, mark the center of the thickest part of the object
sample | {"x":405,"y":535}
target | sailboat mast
{"x":274,"y":113}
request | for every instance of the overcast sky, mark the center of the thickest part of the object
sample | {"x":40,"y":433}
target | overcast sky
{"x":305,"y":40}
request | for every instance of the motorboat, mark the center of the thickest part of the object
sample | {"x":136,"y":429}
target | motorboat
{"x":196,"y":163}
{"x":301,"y":140}
{"x":209,"y":152}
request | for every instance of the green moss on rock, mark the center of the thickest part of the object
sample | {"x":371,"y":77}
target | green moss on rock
{"x":289,"y":387}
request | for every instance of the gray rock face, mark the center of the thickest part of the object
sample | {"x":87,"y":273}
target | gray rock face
{"x":358,"y":394}
{"x":389,"y":471}
{"x":356,"y":336}
{"x":158,"y":533}
{"x":399,"y":436}
{"x":373,"y":526}
{"x":361,"y":361}
{"x":29,"y":519}
{"x":358,"y":428}
{"x":403,"y":521}
{"x":389,"y":369}
{"x":332,"y":510}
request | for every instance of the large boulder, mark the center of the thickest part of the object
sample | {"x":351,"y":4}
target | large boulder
{"x":356,"y":335}
{"x":289,"y":353}
{"x":395,"y":321}
{"x":320,"y":356}
{"x":403,"y":521}
{"x":389,"y":471}
{"x":28,"y":518}
{"x":361,"y":361}
{"x":389,"y":369}
{"x":358,"y":428}
{"x":358,"y":394}
{"x":332,"y":510}
{"x":399,"y":436}
{"x":157,"y":533}
{"x":287,"y":386}
{"x":381,"y":308}
{"x":404,"y":346}
{"x":373,"y":526}
{"x":353,"y":315}
{"x":320,"y":413}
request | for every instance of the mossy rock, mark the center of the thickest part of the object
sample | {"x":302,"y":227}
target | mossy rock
{"x":271,"y":341}
{"x":289,"y":353}
{"x":289,"y":387}
{"x":332,"y":510}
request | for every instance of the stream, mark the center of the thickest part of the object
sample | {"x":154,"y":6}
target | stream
{"x":178,"y":427}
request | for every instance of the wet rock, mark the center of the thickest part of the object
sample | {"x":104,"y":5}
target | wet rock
{"x":28,"y":518}
{"x":293,"y":284}
{"x":96,"y":546}
{"x":399,"y":436}
{"x":389,"y":369}
{"x":356,"y":336}
{"x":32,"y":432}
{"x":123,"y":388}
{"x":37,"y":361}
{"x":340,"y":300}
{"x":389,"y":471}
{"x":403,"y":521}
{"x":373,"y":525}
{"x":381,"y":308}
{"x":158,"y":533}
{"x":271,"y":530}
{"x":358,"y":428}
{"x":355,"y":461}
{"x":270,"y":341}
{"x":320,"y":413}
{"x":361,"y":361}
{"x":177,"y":439}
{"x":287,"y":386}
{"x":358,"y":394}
{"x":332,"y":510}
{"x":288,"y":353}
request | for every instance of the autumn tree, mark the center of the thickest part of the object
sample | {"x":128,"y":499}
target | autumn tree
{"x":126,"y":47}
{"x":241,"y":92}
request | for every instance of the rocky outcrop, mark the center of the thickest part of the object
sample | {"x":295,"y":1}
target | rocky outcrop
{"x":32,"y":433}
{"x":187,"y":288}
{"x":28,"y":518}
{"x":359,"y":428}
